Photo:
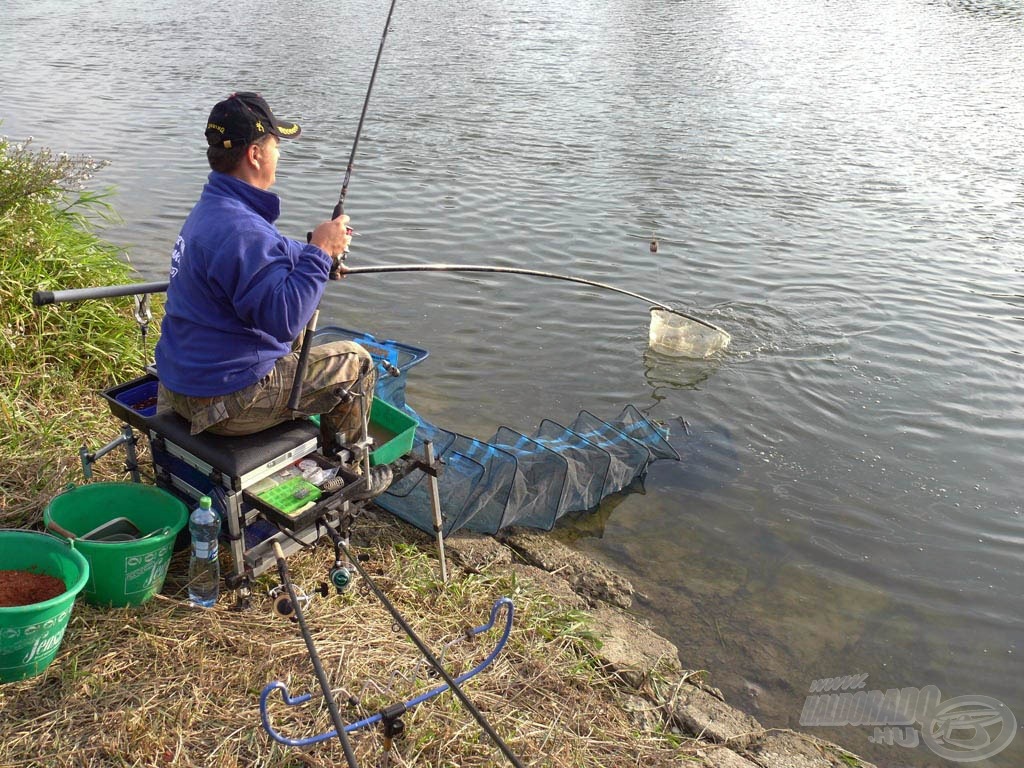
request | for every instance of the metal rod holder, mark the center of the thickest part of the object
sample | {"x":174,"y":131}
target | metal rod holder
{"x":127,"y":439}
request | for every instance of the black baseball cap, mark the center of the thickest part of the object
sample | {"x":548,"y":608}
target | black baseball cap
{"x":242,"y":118}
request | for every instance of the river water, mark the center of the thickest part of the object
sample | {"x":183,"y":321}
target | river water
{"x":838,"y":184}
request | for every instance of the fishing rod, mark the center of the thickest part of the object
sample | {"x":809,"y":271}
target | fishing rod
{"x":339,"y":209}
{"x":679,"y":333}
{"x":427,"y":653}
{"x":370,"y":270}
{"x":42,"y":298}
{"x":390,"y":715}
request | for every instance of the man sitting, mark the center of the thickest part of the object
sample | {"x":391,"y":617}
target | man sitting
{"x":240,"y":295}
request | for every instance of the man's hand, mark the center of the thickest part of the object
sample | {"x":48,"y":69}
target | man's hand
{"x":338,"y":270}
{"x":333,"y":237}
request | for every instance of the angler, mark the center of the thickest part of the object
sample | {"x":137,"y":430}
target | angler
{"x":240,"y":294}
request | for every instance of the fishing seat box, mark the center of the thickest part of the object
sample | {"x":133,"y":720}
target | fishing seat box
{"x":226,"y":469}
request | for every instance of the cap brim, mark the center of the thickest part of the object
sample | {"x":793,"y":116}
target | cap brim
{"x":287,"y":130}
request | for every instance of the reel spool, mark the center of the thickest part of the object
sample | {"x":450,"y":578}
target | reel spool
{"x":283,"y":607}
{"x":340,"y":577}
{"x":281,"y":604}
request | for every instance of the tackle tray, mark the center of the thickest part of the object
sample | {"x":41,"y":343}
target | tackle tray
{"x":279,"y":505}
{"x":134,"y":401}
{"x":291,"y":495}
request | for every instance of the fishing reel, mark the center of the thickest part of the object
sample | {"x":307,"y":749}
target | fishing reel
{"x":281,"y":602}
{"x":340,"y":577}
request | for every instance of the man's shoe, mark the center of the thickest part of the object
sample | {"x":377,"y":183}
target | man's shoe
{"x":378,"y":482}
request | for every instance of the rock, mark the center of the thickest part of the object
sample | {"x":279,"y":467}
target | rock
{"x":706,"y":717}
{"x":790,"y":750}
{"x":645,"y":716}
{"x":632,"y":650}
{"x":594,"y":581}
{"x":722,"y":757}
{"x":476,"y":552}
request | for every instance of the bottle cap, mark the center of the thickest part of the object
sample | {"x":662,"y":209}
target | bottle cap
{"x":205,"y":502}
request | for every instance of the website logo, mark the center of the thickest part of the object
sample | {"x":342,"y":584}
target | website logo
{"x":963,"y":729}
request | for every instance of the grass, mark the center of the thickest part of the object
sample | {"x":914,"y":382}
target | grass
{"x":53,"y":360}
{"x":166,"y":684}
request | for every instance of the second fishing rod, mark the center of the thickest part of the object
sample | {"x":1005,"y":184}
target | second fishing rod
{"x":339,"y":209}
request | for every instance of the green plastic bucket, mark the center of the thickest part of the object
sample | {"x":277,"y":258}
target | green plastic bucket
{"x":121,"y":572}
{"x":30,"y":635}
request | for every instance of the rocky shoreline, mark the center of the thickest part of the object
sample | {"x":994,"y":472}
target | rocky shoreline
{"x":656,"y":690}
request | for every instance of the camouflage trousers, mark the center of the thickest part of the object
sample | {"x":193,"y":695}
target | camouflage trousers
{"x":336,"y":375}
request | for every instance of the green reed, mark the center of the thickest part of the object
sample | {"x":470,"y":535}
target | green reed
{"x":53,"y":360}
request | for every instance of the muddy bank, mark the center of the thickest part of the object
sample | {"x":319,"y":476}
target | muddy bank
{"x":656,"y":689}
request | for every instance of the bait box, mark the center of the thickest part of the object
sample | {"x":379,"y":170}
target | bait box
{"x":398,"y":427}
{"x":134,"y":402}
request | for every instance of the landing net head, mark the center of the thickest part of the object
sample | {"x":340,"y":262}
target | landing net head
{"x":676,"y":335}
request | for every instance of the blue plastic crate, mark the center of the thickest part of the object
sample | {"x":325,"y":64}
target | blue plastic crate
{"x":402,"y":356}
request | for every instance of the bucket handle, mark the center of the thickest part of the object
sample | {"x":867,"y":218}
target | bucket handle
{"x":56,"y":528}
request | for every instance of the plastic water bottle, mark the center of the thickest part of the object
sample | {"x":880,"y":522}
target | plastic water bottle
{"x":204,"y":567}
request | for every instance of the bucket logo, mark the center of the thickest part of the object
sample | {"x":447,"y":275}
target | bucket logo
{"x":143,"y":572}
{"x":44,"y":645}
{"x":34,"y":641}
{"x":963,"y":729}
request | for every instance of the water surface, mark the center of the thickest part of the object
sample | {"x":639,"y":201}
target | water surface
{"x":839,"y":185}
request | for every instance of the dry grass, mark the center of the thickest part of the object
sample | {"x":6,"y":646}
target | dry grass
{"x":166,"y":684}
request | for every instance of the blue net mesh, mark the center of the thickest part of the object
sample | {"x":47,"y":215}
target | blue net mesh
{"x":586,"y":464}
{"x":512,"y":479}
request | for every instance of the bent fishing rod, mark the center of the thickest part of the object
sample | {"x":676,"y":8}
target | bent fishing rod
{"x":42,"y":298}
{"x":339,"y":209}
{"x":370,"y":270}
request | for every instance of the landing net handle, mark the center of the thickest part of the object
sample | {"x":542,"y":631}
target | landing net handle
{"x":44,"y":298}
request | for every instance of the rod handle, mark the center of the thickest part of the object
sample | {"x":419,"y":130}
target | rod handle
{"x":300,"y":368}
{"x":335,"y":274}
